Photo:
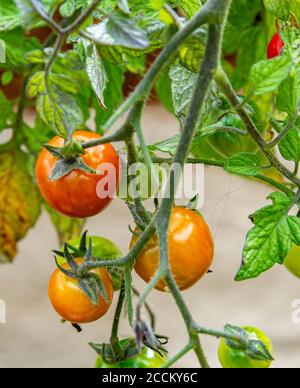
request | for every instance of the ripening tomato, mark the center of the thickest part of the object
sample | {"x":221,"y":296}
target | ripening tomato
{"x":148,"y":358}
{"x":191,"y":250}
{"x":80,"y":194}
{"x":292,"y":261}
{"x":275,"y":46}
{"x":71,"y":303}
{"x":237,"y":359}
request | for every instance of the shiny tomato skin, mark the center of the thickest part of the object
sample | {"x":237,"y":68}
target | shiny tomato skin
{"x":148,"y":358}
{"x":71,"y":303}
{"x":237,"y":359}
{"x":75,"y":195}
{"x":275,"y":46}
{"x":191,"y":250}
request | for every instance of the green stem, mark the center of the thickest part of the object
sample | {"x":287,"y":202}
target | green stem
{"x":225,"y":85}
{"x":128,"y":290}
{"x":114,"y":340}
{"x":216,"y":163}
{"x":178,"y":356}
{"x":283,"y":133}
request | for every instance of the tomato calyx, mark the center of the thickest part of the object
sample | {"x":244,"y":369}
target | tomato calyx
{"x":253,"y":347}
{"x":88,"y":281}
{"x":129,"y":351}
{"x":68,"y":159}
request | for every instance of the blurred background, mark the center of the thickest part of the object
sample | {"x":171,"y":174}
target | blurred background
{"x":34,"y":337}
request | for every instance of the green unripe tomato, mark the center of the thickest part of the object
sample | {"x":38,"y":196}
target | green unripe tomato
{"x":237,"y":359}
{"x":292,"y":261}
{"x":104,"y":249}
{"x":148,"y":358}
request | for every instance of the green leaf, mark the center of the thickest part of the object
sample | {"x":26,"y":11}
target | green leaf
{"x":192,"y":52}
{"x":125,"y":31}
{"x":29,"y":17}
{"x":36,"y":56}
{"x":59,"y":110}
{"x":288,"y":98}
{"x":280,"y":8}
{"x":183,"y":85}
{"x":190,"y":7}
{"x":9,"y":16}
{"x":36,"y":84}
{"x":163,"y":89}
{"x":96,"y":72}
{"x":67,"y":228}
{"x":119,"y":31}
{"x":266,"y":76}
{"x":37,"y":136}
{"x":7,"y":117}
{"x":271,"y":238}
{"x":68,"y":8}
{"x":246,"y":164}
{"x":290,"y":146}
{"x":20,"y":203}
{"x":113,"y":94}
{"x":7,"y":77}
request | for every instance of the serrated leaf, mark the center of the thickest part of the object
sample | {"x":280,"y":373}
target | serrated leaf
{"x":36,"y":84}
{"x":290,"y":146}
{"x":66,"y":228}
{"x":271,"y":238}
{"x":245,"y":164}
{"x":266,"y":76}
{"x":59,"y":110}
{"x":20,"y":203}
{"x":96,"y":72}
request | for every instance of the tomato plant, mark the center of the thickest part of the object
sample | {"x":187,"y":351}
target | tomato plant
{"x":68,"y":63}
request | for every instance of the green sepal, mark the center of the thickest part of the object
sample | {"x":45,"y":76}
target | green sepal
{"x":66,"y":166}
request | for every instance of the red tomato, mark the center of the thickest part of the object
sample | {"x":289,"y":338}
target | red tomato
{"x":78,"y":194}
{"x":275,"y":47}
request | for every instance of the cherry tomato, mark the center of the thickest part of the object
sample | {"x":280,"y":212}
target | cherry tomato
{"x":148,"y":358}
{"x":103,"y":249}
{"x":237,"y":359}
{"x":292,"y":262}
{"x":75,"y":195}
{"x":71,"y":303}
{"x":275,"y":46}
{"x":191,"y":250}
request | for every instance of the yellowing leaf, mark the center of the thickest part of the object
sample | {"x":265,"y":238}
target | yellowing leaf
{"x":19,"y":203}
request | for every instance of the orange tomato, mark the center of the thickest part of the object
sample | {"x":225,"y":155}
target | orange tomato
{"x":191,"y":250}
{"x":71,"y":303}
{"x":77,"y":194}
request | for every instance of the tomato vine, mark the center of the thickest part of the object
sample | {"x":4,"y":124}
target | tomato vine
{"x":211,"y":108}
